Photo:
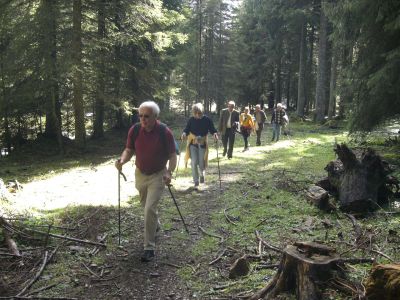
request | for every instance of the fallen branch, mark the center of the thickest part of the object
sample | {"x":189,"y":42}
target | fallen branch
{"x":43,"y":288}
{"x":269,"y":266}
{"x":266,"y":244}
{"x":39,"y":273}
{"x":38,"y":298}
{"x":69,"y":238}
{"x":217,"y":258}
{"x":90,"y":271}
{"x":357,"y":260}
{"x":382,"y":254}
{"x":228,"y":218}
{"x":212,"y":235}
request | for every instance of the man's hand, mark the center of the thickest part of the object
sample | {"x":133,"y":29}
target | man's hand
{"x":183,"y":136}
{"x":118,"y":165}
{"x":167,"y":177}
{"x":216,"y":136}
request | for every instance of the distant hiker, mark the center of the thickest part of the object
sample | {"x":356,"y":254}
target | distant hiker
{"x":135,"y":116}
{"x":277,"y":121}
{"x":228,"y":124}
{"x":285,"y":126}
{"x":196,"y":131}
{"x":153,"y":146}
{"x":271,"y":101}
{"x":260,"y":116}
{"x":246,"y":127}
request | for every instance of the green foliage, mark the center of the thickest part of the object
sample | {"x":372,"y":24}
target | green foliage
{"x":371,"y":29}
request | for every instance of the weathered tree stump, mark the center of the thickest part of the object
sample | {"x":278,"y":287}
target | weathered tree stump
{"x":384,"y":283}
{"x":304,"y":270}
{"x":319,"y":197}
{"x":360,"y":183}
{"x":240,"y":267}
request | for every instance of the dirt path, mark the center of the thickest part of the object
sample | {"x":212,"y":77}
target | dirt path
{"x":127,"y":277}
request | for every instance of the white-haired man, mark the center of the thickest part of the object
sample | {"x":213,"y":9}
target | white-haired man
{"x":154,"y":146}
{"x":277,"y":121}
{"x":228,"y":123}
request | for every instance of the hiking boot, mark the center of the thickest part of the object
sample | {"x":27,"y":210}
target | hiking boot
{"x":224,"y":153}
{"x":201,"y":179}
{"x":196,"y":184}
{"x":148,"y":255}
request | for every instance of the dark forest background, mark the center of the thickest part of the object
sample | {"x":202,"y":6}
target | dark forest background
{"x":74,"y":69}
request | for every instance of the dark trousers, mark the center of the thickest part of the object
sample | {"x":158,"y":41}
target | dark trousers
{"x":260,"y":129}
{"x":245,"y":133}
{"x":228,"y":140}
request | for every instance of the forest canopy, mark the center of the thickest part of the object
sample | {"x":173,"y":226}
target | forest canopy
{"x":73,"y":69}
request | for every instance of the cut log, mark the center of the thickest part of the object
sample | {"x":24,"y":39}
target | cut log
{"x":360,"y":180}
{"x":319,"y":197}
{"x":384,"y":283}
{"x":240,"y":267}
{"x":304,"y":270}
{"x":11,"y":244}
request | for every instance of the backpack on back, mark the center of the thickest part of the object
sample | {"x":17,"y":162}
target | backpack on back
{"x":163,"y":136}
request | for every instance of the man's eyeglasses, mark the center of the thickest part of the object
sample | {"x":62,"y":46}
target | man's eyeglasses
{"x":144,"y":116}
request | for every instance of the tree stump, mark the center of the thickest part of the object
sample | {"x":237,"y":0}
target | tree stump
{"x":384,"y":283}
{"x":304,"y":270}
{"x":359,"y":182}
{"x":319,"y":197}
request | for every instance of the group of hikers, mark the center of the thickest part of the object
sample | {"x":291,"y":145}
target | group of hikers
{"x":154,"y":146}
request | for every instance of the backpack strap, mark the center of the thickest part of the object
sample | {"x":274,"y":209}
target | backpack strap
{"x":136,"y":129}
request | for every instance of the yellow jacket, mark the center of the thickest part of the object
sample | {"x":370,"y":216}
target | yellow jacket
{"x":191,"y":139}
{"x":246,"y":120}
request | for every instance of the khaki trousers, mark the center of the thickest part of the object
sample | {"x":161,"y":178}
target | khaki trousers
{"x":150,"y":189}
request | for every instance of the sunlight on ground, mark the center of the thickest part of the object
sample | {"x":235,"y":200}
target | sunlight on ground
{"x":99,"y":185}
{"x":79,"y":186}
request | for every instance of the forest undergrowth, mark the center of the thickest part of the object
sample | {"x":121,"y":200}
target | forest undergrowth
{"x":253,"y":205}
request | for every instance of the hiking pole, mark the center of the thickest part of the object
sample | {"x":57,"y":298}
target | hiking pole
{"x":219,"y":170}
{"x":119,"y":205}
{"x":177,"y":207}
{"x":179,"y":158}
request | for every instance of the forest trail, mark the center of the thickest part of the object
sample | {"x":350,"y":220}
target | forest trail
{"x":96,"y":187}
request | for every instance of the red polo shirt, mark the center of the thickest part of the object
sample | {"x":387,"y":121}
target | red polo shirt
{"x":151,"y":157}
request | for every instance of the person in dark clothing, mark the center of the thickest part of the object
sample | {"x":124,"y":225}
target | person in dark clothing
{"x":196,"y":132}
{"x":277,"y":121}
{"x":228,"y":124}
{"x":135,"y":116}
{"x":260,"y":117}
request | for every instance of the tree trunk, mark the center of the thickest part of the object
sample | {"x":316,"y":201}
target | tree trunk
{"x":98,"y":126}
{"x":199,"y":52}
{"x":320,"y":92}
{"x":278,"y":79}
{"x":79,"y":113}
{"x":309,"y":86}
{"x":301,"y":97}
{"x":53,"y":107}
{"x":332,"y":85}
{"x":383,"y":283}
{"x":359,"y":182}
{"x":304,"y":270}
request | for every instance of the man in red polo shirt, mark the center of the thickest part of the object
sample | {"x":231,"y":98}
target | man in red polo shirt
{"x":151,"y":174}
